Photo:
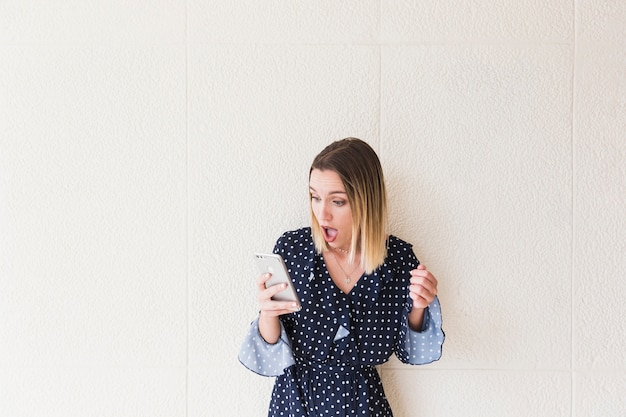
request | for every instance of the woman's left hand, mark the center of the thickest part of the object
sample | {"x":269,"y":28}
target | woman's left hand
{"x":423,"y":288}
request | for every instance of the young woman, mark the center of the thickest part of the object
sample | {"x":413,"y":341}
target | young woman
{"x":364,"y":296}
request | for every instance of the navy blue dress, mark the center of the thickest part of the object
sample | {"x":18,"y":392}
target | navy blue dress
{"x":326,"y":356}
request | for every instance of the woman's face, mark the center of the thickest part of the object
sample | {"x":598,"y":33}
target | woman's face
{"x":331,"y":208}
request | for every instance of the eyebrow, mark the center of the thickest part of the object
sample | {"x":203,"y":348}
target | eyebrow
{"x":331,"y":193}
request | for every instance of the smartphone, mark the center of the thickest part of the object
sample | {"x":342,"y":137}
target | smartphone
{"x":274,"y":264}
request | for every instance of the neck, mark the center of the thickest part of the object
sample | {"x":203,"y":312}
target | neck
{"x":343,"y":255}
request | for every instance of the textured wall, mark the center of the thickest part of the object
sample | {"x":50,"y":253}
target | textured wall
{"x":147,"y":149}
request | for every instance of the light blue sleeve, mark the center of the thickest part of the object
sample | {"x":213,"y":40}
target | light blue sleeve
{"x":265,"y":358}
{"x":425,"y":347}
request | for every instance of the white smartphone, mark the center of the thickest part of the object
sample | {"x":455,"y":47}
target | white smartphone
{"x":274,"y":264}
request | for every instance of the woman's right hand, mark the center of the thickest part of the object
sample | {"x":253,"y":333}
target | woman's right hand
{"x":269,"y":325}
{"x":269,"y":307}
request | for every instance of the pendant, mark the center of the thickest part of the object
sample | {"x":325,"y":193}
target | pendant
{"x":347,"y":280}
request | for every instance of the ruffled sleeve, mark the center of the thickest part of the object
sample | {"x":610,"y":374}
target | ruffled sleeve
{"x":264,"y":358}
{"x":420,"y":348}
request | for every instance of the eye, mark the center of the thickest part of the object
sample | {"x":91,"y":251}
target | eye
{"x":315,"y":198}
{"x":339,"y":203}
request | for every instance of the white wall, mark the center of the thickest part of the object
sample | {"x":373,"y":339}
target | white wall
{"x":148,"y":148}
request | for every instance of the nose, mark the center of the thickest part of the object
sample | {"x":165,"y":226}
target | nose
{"x":324,"y":211}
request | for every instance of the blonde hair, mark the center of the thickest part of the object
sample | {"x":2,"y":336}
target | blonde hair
{"x":360,"y":171}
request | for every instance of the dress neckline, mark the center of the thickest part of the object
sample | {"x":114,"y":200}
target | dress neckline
{"x":353,"y":284}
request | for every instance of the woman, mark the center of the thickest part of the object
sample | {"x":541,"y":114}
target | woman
{"x":364,"y":296}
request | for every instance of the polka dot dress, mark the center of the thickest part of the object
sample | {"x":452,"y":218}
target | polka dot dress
{"x":326,"y":357}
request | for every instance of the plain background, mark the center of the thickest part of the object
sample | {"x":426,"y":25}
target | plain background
{"x":147,"y":149}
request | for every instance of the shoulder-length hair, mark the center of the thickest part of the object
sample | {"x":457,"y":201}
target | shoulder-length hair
{"x":361,"y":173}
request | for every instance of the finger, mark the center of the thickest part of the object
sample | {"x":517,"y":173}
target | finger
{"x":419,"y":271}
{"x":420,"y":290}
{"x":424,"y":289}
{"x":262,"y":284}
{"x":418,"y":301}
{"x":275,"y":308}
{"x":262,"y":279}
{"x":427,"y":282}
{"x":425,"y":274}
{"x":418,"y":297}
{"x":414,"y":295}
{"x":275,"y":289}
{"x":268,"y":293}
{"x":285,"y":305}
{"x":275,"y":313}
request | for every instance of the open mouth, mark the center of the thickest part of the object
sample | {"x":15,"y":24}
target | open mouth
{"x":329,"y":233}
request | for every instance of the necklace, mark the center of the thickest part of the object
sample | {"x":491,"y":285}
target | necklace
{"x":347,"y":279}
